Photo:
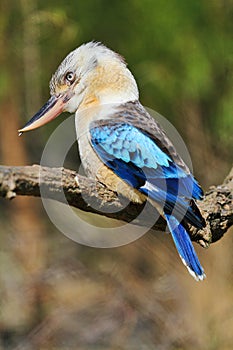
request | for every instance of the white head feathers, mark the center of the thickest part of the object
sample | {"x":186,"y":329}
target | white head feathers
{"x":99,"y":72}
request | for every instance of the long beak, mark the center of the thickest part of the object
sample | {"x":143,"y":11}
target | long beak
{"x":51,"y":109}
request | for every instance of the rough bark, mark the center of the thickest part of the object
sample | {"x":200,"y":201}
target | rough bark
{"x":216,"y":206}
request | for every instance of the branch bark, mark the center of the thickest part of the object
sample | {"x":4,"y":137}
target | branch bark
{"x":60,"y":184}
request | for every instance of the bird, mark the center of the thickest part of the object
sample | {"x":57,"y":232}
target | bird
{"x":121,"y":145}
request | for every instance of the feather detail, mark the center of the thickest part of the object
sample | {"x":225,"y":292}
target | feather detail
{"x":185,"y":248}
{"x":138,"y":159}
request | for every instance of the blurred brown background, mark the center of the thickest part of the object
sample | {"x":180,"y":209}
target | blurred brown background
{"x":56,"y":294}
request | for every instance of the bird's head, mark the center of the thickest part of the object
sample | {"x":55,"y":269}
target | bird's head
{"x":90,"y":75}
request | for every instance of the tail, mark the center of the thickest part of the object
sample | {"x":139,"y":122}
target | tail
{"x":185,"y":248}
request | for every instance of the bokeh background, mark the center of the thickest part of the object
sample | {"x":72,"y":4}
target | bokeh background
{"x":56,"y":294}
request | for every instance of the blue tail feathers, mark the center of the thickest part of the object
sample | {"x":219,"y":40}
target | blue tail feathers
{"x":185,"y":248}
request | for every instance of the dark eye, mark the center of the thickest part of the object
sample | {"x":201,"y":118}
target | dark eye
{"x":70,"y":76}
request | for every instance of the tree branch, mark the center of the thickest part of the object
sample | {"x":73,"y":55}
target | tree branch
{"x":54,"y":183}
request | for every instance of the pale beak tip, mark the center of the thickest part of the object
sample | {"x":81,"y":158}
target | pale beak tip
{"x":20,"y":133}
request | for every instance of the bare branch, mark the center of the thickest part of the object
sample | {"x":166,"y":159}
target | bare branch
{"x":216,"y":207}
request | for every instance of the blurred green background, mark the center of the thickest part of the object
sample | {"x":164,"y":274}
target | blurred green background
{"x":56,"y":294}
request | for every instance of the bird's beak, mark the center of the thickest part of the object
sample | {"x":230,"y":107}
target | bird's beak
{"x":51,"y":109}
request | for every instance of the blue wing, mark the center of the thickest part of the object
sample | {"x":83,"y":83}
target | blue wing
{"x":139,"y":161}
{"x":136,"y":158}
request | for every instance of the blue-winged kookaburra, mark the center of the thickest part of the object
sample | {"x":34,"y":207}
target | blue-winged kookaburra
{"x":120,"y":144}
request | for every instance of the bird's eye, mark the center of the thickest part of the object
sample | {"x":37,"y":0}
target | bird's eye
{"x":70,"y":76}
